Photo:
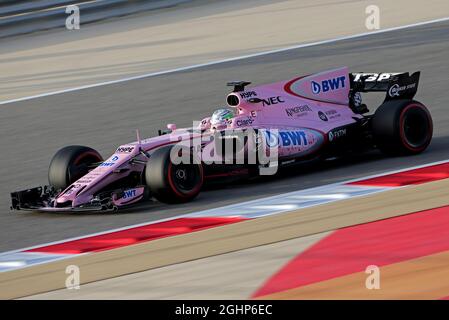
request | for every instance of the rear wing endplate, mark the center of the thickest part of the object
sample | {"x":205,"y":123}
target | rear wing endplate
{"x":396,"y":85}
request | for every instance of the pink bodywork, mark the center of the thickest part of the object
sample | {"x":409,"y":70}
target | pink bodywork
{"x":309,"y":106}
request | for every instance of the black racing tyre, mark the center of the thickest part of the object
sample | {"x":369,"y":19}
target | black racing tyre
{"x":71,"y":163}
{"x":402,"y":127}
{"x":173,"y":183}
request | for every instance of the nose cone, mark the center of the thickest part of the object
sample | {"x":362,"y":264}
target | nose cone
{"x":82,"y":191}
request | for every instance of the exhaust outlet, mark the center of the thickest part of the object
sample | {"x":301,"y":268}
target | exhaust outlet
{"x":233,"y":100}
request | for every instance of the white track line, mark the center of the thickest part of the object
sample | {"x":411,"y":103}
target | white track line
{"x":228,"y":206}
{"x":195,"y":66}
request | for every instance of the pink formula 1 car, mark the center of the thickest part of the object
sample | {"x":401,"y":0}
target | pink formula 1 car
{"x":312,"y":117}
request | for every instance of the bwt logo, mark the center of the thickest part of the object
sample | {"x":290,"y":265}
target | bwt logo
{"x":328,"y":85}
{"x":271,"y":138}
{"x":295,"y":138}
{"x":286,"y":138}
{"x":129,"y":194}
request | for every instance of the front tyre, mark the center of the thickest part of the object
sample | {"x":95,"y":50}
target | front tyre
{"x":173,"y":183}
{"x":71,"y":163}
{"x":402,"y":127}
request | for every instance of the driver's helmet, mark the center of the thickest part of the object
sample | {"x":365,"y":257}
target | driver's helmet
{"x":221,"y":117}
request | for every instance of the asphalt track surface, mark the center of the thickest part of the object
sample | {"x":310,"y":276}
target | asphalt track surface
{"x":104,"y":117}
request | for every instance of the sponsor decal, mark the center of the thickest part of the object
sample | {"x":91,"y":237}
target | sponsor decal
{"x":328,"y":85}
{"x":373,"y":77}
{"x":357,"y":99}
{"x":322,"y":116}
{"x":336,"y":134}
{"x":272,"y":100}
{"x":298,"y":111}
{"x":127,"y":196}
{"x":125,"y":149}
{"x":332,"y":114}
{"x":107,"y":164}
{"x":286,"y":138}
{"x":295,"y":138}
{"x":293,"y":142}
{"x":110,"y":163}
{"x":244,"y":122}
{"x":271,"y":138}
{"x":91,"y":176}
{"x":248,"y":94}
{"x":131,"y":193}
{"x":85,"y":181}
{"x":395,"y":90}
{"x":71,"y":189}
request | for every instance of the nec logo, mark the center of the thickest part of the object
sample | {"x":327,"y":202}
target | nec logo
{"x":272,"y":100}
{"x":328,"y":85}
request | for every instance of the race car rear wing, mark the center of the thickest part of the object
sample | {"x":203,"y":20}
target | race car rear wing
{"x":396,"y":85}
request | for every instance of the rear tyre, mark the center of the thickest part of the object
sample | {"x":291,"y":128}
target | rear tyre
{"x":402,"y":127}
{"x":71,"y":163}
{"x":173,"y":183}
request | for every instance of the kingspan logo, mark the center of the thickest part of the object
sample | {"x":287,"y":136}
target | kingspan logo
{"x":328,"y":85}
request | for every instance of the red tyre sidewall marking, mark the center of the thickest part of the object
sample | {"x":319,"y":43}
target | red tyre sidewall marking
{"x":404,"y":140}
{"x":175,"y":189}
{"x":85,"y":154}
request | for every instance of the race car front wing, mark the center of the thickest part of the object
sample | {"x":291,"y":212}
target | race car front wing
{"x":42,"y":199}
